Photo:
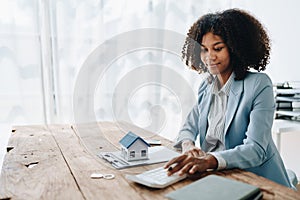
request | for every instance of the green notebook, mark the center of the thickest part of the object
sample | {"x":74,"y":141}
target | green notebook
{"x":216,"y":187}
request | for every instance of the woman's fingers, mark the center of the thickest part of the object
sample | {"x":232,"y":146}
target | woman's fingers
{"x":194,"y":169}
{"x":193,"y":152}
{"x":176,"y":168}
{"x":180,"y":162}
{"x":186,"y":164}
{"x":183,"y":164}
{"x":186,"y":168}
{"x":175,"y":160}
{"x":196,"y":152}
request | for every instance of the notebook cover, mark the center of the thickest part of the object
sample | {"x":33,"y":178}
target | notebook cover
{"x":216,"y":187}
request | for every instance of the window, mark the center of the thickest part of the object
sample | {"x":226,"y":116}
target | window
{"x":144,"y":153}
{"x":39,"y":84}
{"x":132,"y":154}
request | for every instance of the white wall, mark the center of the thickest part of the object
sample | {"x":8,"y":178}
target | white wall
{"x":281,"y":20}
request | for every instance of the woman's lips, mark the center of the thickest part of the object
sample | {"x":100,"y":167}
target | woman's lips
{"x":212,"y":65}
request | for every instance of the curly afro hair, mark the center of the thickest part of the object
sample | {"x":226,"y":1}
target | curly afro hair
{"x":245,"y":37}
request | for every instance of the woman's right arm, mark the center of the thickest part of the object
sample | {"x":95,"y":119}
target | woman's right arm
{"x":189,"y":131}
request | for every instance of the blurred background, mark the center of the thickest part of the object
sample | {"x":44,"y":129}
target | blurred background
{"x":44,"y":44}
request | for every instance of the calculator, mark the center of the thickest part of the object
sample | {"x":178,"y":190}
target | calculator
{"x":156,"y":178}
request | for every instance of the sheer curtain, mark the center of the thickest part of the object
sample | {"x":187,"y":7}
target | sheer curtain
{"x":45,"y":43}
{"x":20,"y":71}
{"x":152,"y":103}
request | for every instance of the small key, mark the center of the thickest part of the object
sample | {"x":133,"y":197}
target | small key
{"x":105,"y":176}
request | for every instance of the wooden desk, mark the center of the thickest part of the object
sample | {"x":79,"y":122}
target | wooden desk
{"x":55,"y":162}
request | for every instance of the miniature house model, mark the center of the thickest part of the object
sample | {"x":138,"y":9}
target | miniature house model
{"x":133,"y":147}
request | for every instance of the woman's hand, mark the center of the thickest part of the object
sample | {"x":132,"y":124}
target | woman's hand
{"x":186,"y":163}
{"x":196,"y":152}
{"x":189,"y":148}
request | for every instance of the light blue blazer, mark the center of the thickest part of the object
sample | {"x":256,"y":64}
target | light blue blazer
{"x":248,"y":123}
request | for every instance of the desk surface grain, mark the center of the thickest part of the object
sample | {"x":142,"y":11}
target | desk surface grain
{"x":56,"y":161}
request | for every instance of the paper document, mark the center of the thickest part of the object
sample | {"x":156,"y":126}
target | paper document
{"x":157,"y":154}
{"x":288,"y":91}
{"x":288,"y":113}
{"x":288,"y":99}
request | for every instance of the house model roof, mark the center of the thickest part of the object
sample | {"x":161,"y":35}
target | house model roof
{"x":130,"y":138}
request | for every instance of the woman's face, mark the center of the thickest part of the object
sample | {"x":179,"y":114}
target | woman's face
{"x":215,"y":55}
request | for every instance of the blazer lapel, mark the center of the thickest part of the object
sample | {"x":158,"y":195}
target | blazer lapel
{"x":233,"y":102}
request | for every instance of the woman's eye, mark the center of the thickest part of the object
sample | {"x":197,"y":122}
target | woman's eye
{"x":204,"y":50}
{"x":219,"y":48}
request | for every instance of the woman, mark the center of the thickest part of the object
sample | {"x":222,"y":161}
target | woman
{"x":234,"y":113}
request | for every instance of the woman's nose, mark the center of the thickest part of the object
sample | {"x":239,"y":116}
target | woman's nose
{"x":211,"y":55}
